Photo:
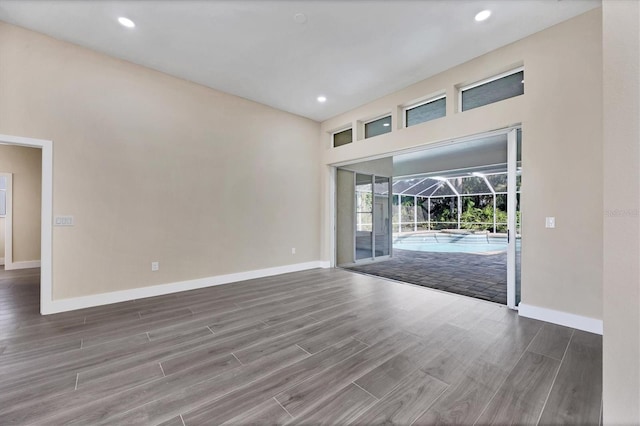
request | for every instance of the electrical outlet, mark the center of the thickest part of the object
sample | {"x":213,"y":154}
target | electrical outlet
{"x":550,"y":222}
{"x":155,"y":266}
{"x":293,"y":250}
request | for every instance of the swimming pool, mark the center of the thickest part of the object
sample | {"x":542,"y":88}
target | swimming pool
{"x":450,"y":243}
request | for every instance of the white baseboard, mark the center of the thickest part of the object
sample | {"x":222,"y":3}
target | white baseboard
{"x":22,"y":265}
{"x":566,"y":319}
{"x":64,"y":305}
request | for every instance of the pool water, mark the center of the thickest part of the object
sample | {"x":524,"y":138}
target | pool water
{"x":450,"y":243}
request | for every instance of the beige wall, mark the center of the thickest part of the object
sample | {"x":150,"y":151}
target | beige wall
{"x":621,"y":357}
{"x":154,"y":168}
{"x":26,"y":166}
{"x":562,"y":144}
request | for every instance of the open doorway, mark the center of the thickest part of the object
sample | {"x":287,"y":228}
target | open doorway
{"x":27,"y":165}
{"x":20,"y":223}
{"x":20,"y":206}
{"x":456,"y":218}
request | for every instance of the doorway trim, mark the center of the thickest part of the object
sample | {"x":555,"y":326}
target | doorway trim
{"x":512,"y":231}
{"x":7,"y":260}
{"x":46,"y":214}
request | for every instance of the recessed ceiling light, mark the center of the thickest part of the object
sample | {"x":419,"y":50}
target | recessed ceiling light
{"x":386,"y":124}
{"x":126,"y":22}
{"x":482,"y":16}
{"x":299,"y":18}
{"x":322,"y":99}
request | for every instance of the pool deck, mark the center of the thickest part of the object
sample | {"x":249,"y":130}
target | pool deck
{"x":483,"y":276}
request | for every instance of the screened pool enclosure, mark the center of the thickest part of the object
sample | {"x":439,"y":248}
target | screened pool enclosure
{"x":473,"y":201}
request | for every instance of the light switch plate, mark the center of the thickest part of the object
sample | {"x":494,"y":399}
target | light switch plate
{"x":63,"y":221}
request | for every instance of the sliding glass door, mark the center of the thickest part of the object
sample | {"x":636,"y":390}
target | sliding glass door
{"x":364,"y":216}
{"x":514,"y":218}
{"x":372,"y":227}
{"x":381,"y":222}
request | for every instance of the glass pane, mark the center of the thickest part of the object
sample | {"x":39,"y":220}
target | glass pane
{"x":494,"y":91}
{"x":377,"y":127}
{"x":381,"y":216}
{"x":3,"y":202}
{"x":427,"y":112}
{"x":364,"y":217}
{"x":422,"y":213}
{"x":407,"y":212}
{"x":443,"y":190}
{"x":477,"y":213}
{"x":432,"y":189}
{"x":518,"y":224}
{"x":444,"y":213}
{"x":381,"y":186}
{"x":420,"y":186}
{"x":3,"y":182}
{"x":501,"y":213}
{"x":473,"y":185}
{"x":400,"y":186}
{"x":498,"y":181}
{"x":342,"y":138}
{"x":394,"y":213}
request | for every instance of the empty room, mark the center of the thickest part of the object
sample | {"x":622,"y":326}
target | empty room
{"x":319,"y":212}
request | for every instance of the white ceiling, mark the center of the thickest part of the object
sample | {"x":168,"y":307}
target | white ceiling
{"x":350,"y":51}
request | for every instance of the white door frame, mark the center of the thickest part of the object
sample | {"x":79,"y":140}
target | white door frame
{"x":46,"y":231}
{"x":332,"y":202}
{"x":512,"y":160}
{"x":8,"y":223}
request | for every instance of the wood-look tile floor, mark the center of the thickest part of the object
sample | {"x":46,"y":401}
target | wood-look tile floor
{"x":314,"y":347}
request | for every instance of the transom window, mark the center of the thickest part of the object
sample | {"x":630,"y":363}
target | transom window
{"x":377,"y":127}
{"x":343,"y":137}
{"x":495,"y":89}
{"x":425,"y":111}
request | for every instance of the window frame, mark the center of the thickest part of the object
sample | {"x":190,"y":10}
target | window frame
{"x":462,"y":89}
{"x":419,"y":104}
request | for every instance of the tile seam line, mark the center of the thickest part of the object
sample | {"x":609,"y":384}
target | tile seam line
{"x":555,"y":377}
{"x":507,"y":376}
